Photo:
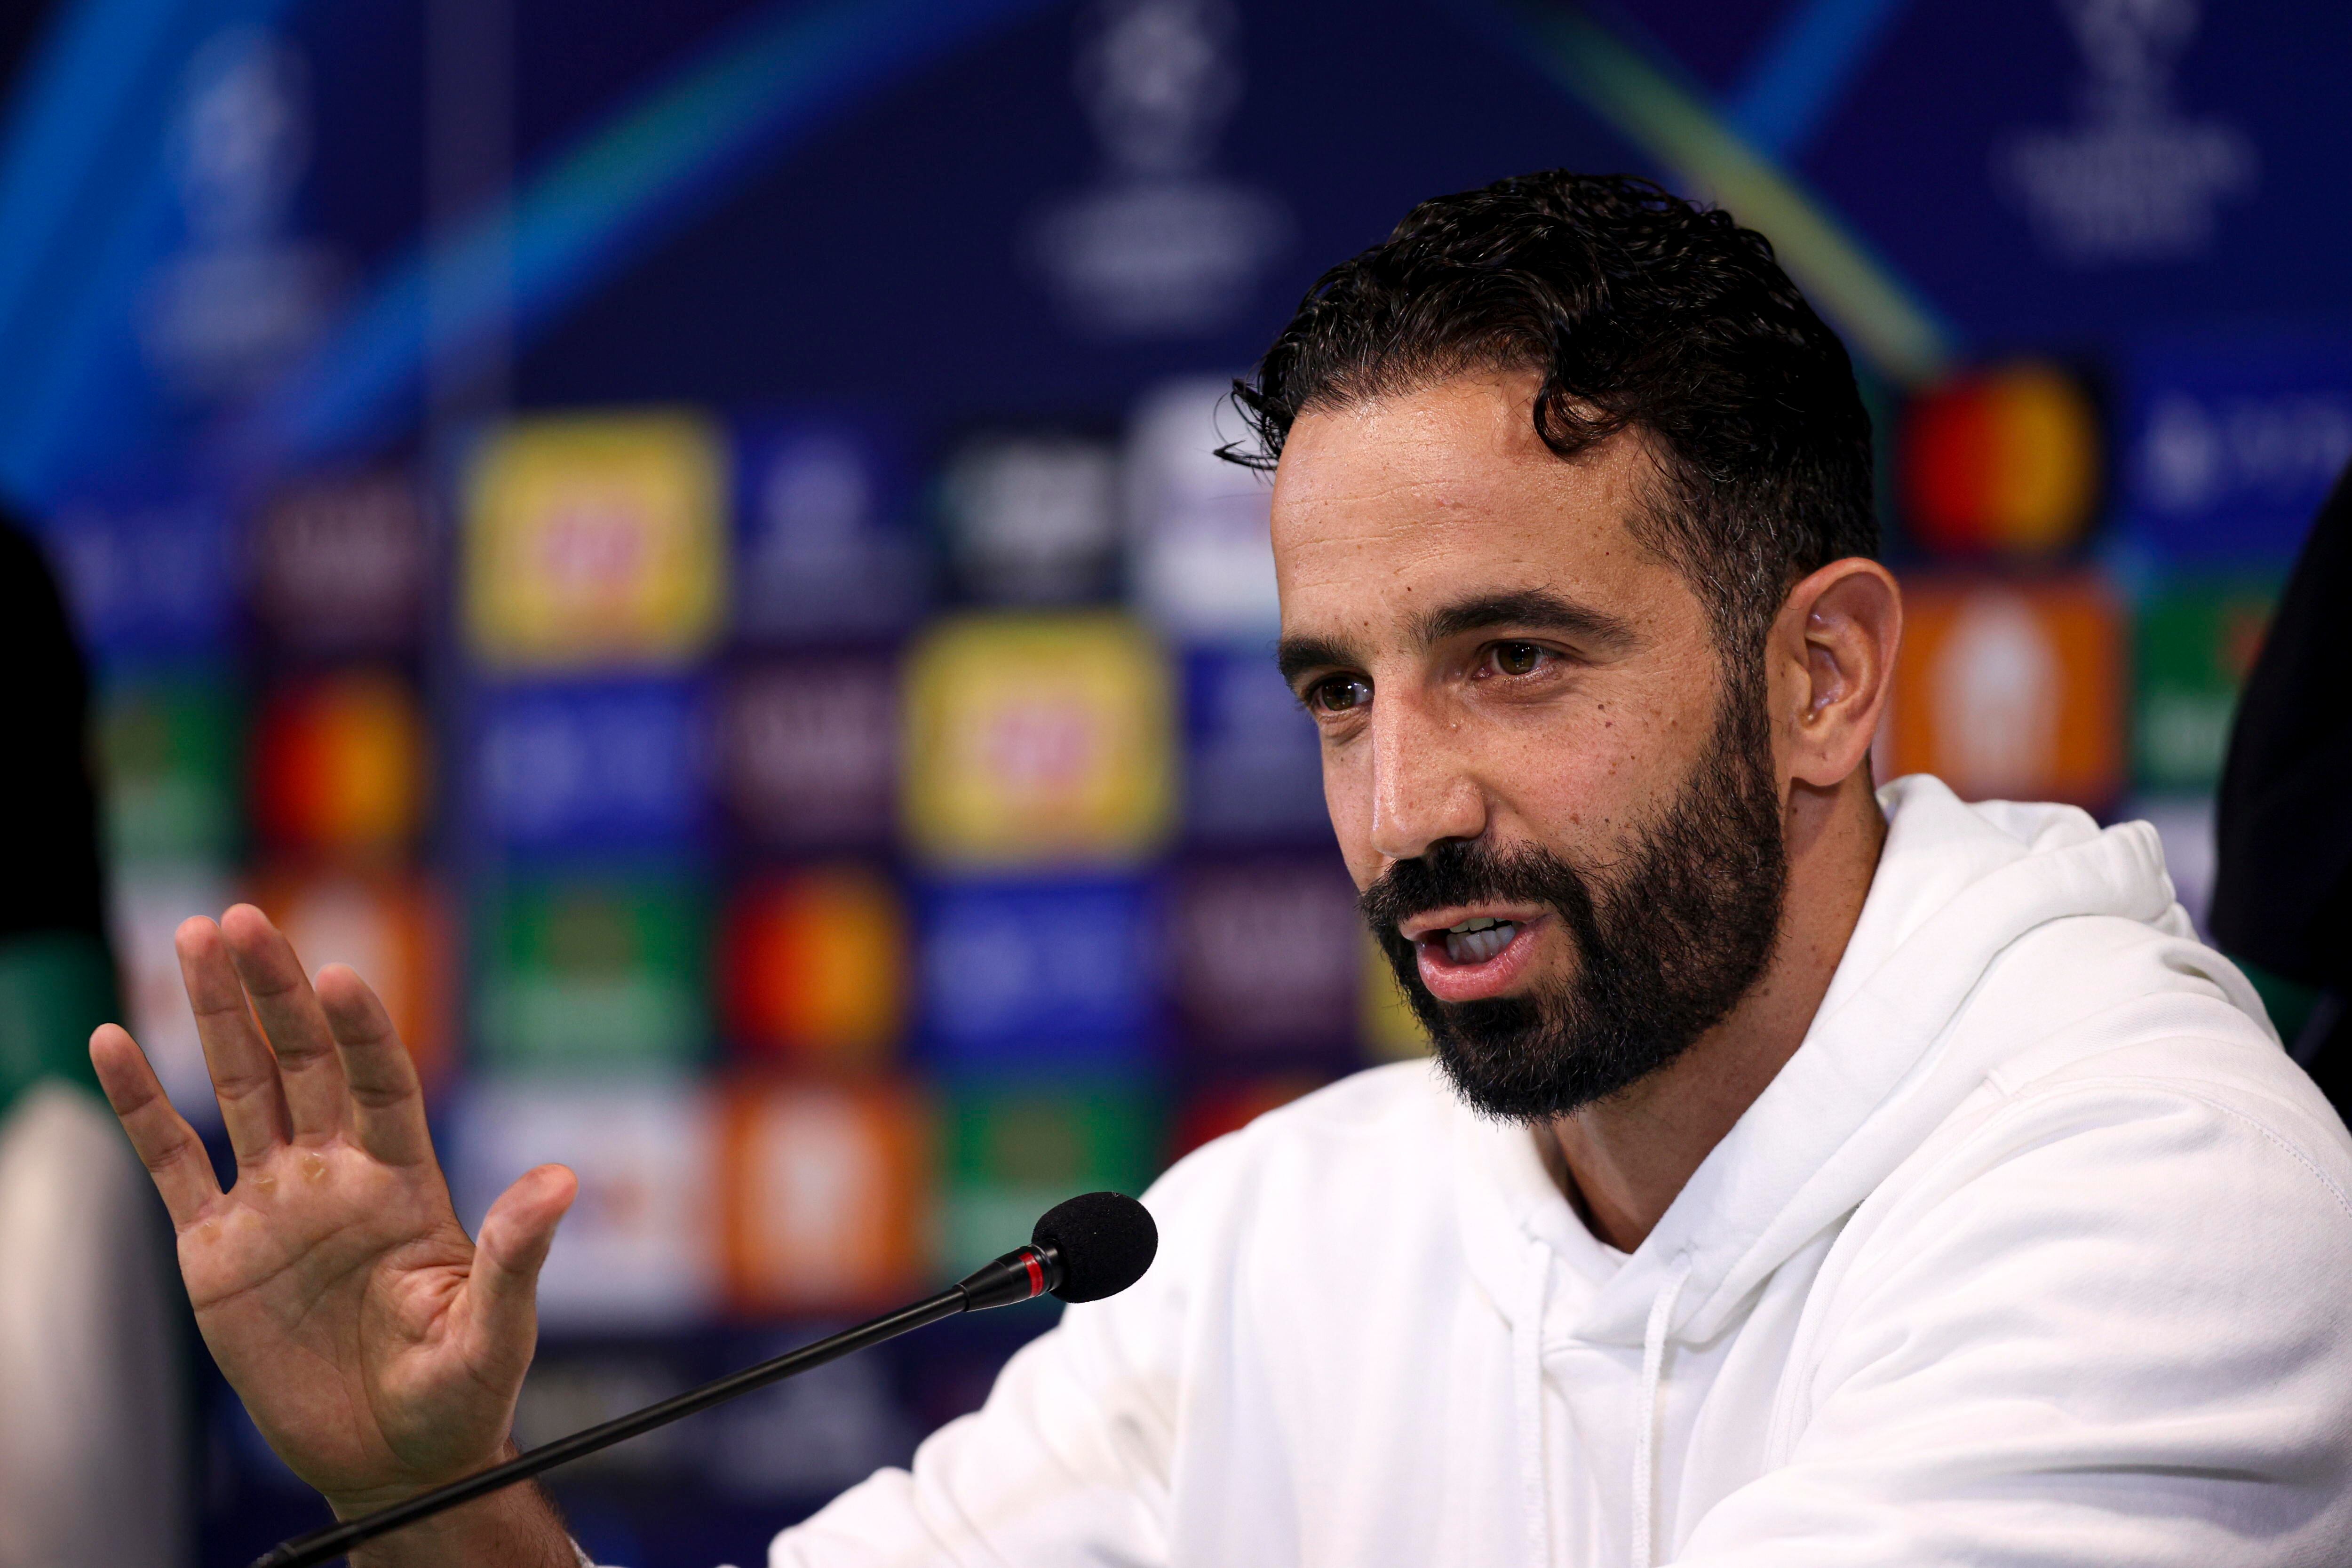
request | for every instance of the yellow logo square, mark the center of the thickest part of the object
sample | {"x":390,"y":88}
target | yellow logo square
{"x":1038,"y":740}
{"x":596,"y":542}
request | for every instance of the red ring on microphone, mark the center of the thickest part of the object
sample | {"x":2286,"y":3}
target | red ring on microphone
{"x":1036,"y":1271}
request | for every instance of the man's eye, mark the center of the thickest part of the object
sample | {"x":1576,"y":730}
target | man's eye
{"x":1517,"y":657}
{"x":1337,"y":694}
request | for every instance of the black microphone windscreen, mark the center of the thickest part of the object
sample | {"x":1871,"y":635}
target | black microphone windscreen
{"x":1104,"y":1240}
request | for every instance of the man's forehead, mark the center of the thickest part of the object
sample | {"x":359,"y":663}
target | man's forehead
{"x":1408,"y":472}
{"x":1411,"y":510}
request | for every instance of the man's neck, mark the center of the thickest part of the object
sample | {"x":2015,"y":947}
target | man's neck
{"x":1622,"y":1161}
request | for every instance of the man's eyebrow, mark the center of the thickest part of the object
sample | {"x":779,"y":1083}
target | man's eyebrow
{"x":1535,"y":609}
{"x":1296,"y":655}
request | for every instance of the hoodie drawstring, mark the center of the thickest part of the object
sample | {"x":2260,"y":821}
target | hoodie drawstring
{"x":1645,"y":1433}
{"x":1527,"y":1350}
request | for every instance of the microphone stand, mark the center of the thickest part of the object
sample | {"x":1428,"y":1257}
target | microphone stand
{"x":1018,"y":1275}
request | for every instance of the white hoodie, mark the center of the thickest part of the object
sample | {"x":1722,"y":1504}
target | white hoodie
{"x":2037,"y":1251}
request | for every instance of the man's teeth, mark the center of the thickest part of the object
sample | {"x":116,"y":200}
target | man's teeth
{"x":1476,"y":941}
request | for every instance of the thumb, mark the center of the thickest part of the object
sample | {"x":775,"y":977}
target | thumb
{"x":516,"y":1235}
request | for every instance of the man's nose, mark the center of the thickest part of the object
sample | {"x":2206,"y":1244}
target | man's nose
{"x":1424,"y":791}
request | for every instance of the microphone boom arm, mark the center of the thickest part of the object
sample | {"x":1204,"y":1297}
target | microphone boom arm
{"x":1021,"y":1275}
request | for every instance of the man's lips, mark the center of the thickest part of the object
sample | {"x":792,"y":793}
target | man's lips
{"x":1469,"y":954}
{"x":1429,"y":923}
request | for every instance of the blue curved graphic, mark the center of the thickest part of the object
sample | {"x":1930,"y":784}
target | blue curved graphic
{"x":604,"y":202}
{"x":85,"y":187}
{"x":1803,"y":68}
{"x":86,"y":204}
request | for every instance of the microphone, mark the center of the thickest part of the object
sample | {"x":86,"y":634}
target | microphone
{"x":1084,"y":1249}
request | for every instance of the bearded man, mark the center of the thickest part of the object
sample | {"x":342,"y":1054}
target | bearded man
{"x":1809,"y":1173}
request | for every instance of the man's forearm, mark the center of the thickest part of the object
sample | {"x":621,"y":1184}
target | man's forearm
{"x":517,"y":1526}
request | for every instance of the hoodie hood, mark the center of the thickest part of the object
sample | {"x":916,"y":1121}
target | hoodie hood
{"x":1954,"y":886}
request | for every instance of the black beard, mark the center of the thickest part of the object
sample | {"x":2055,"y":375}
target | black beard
{"x":1668,"y":940}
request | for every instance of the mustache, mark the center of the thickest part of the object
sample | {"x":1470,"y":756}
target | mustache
{"x":1468,"y":871}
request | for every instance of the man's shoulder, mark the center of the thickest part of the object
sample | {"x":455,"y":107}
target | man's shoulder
{"x":2106,"y":1007}
{"x":2126,"y":1080}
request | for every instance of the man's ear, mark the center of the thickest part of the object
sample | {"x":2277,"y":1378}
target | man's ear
{"x":1833,"y":664}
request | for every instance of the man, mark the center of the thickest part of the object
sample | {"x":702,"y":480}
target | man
{"x":2283,"y":880}
{"x":1809,"y":1175}
{"x":94,"y":1428}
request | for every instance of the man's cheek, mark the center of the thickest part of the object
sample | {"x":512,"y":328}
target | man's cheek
{"x":1561,"y":807}
{"x":1590,"y":777}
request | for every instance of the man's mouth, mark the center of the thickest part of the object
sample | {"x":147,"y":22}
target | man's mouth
{"x":1476,"y":941}
{"x":1474,"y":957}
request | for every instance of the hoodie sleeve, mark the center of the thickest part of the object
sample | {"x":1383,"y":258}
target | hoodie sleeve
{"x":1069,"y":1461}
{"x":2109,"y":1327}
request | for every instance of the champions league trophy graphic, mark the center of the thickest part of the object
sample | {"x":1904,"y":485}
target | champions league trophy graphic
{"x":1163,"y":247}
{"x":2134,"y":180}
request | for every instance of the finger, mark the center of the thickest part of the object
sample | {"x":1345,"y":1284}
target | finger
{"x":174,"y":1156}
{"x":317,"y":1106}
{"x":387,"y":1105}
{"x":245,"y":1075}
{"x":504,"y":1288}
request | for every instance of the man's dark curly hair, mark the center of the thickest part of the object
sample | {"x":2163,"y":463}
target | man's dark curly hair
{"x":1641,"y":311}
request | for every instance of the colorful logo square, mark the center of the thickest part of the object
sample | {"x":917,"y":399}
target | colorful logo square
{"x":609,"y":765}
{"x":147,"y":568}
{"x":391,"y":929}
{"x":639,"y":1249}
{"x":168,"y":765}
{"x":590,"y":973}
{"x":596,"y":542}
{"x":2197,"y":642}
{"x":2004,"y":460}
{"x":339,"y":566}
{"x":1033,"y":519}
{"x":1039,"y":974}
{"x":1011,"y":1153}
{"x":827,"y":1195}
{"x":808,"y":751}
{"x":339,"y":765}
{"x":1204,"y":546}
{"x":2230,"y":441}
{"x":1265,"y":953}
{"x":2011,"y":690}
{"x":1253,"y":762}
{"x":815,"y":970}
{"x":824,"y":547}
{"x":1036,"y":741}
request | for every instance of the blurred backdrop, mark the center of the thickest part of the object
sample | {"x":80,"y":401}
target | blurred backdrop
{"x":685,"y":542}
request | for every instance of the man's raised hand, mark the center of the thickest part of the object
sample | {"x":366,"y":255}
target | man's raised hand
{"x":378,"y":1349}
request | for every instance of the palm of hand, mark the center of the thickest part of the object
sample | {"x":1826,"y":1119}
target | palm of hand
{"x":378,"y":1350}
{"x":342,"y":1280}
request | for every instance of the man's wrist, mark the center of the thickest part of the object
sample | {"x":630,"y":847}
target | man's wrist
{"x":514,"y":1527}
